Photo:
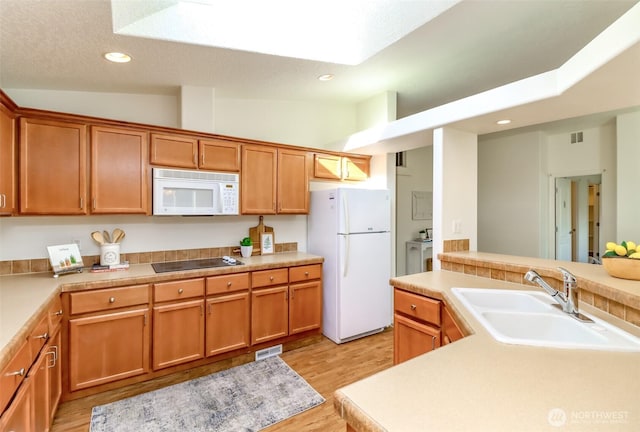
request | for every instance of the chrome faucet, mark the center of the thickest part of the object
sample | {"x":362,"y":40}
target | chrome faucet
{"x":568,"y":300}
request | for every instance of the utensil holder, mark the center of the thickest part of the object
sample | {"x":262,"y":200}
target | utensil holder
{"x":110,"y":254}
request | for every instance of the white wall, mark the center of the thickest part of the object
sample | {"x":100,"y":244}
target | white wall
{"x":628,"y":174}
{"x":509,"y":194}
{"x":289,"y":122}
{"x":416,"y":176}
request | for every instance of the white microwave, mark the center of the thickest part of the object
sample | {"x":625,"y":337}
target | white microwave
{"x":183,"y":192}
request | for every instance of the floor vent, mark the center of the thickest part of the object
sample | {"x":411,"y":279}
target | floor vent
{"x":269,"y":352}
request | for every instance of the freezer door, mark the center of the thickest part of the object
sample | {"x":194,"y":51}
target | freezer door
{"x":363,"y":210}
{"x":364,"y":294}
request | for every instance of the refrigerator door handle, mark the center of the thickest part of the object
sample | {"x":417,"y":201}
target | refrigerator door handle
{"x":345,"y":259}
{"x":345,"y":206}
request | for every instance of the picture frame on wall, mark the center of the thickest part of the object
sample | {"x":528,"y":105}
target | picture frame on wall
{"x":267,"y":244}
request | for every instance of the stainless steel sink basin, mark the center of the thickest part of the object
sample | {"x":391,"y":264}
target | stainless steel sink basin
{"x":530,"y":318}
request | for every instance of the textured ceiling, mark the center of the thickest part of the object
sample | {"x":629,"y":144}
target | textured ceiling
{"x":471,"y":47}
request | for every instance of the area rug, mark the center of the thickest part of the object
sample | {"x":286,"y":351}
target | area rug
{"x":245,"y":398}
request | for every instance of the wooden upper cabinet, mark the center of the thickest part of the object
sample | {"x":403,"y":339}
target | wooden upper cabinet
{"x":219,"y":155}
{"x":335,"y":167}
{"x":293,"y":182}
{"x":7,"y":160}
{"x":189,"y":152}
{"x":327,"y":166}
{"x":53,"y":167}
{"x":174,"y":150}
{"x":119,"y":182}
{"x":355,"y":168}
{"x":258,"y":179}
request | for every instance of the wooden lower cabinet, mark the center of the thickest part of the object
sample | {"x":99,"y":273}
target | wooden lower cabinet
{"x":19,"y":416}
{"x":227,"y":323}
{"x":178,"y":333}
{"x":412,"y":338}
{"x":269,"y":314}
{"x":305,"y":306}
{"x":421,"y":324}
{"x":108,"y":347}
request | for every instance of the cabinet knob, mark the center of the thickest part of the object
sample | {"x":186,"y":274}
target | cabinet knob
{"x":306,"y":274}
{"x":58,"y":313}
{"x":413,"y":307}
{"x":271,"y":278}
{"x":228,"y":284}
{"x":112,"y":299}
{"x":42,"y":336}
{"x":180,"y":291}
{"x":16,"y":373}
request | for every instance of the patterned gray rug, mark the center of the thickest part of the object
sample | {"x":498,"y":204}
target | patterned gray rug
{"x":245,"y":398}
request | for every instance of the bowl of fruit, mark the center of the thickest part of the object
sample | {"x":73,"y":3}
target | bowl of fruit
{"x":622,"y":260}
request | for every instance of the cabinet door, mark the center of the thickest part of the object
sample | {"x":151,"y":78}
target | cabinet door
{"x":258,"y":180}
{"x":269,"y":314}
{"x":19,"y":416}
{"x":412,"y":338}
{"x":355,"y":168}
{"x":178,"y":333}
{"x":227,"y":323}
{"x":219,"y":155}
{"x":107,"y":348}
{"x":7,"y":160}
{"x":39,"y":377}
{"x":119,"y":181}
{"x":53,"y":167}
{"x":293,"y":182}
{"x":54,"y":368}
{"x":305,"y":306}
{"x":327,"y":166}
{"x":451,"y":332}
{"x":174,"y":151}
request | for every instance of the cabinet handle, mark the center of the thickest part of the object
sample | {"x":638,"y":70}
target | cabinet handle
{"x":54,"y":358}
{"x":195,"y":159}
{"x":202,"y":163}
{"x":16,"y":373}
{"x":271,"y":278}
{"x":201,"y":310}
{"x":112,"y":299}
{"x":45,"y":336}
{"x":433,"y":342}
{"x":3,"y":200}
{"x":228,"y":284}
{"x":180,"y":291}
{"x":81,"y":202}
{"x":58,"y":313}
{"x":306,"y":274}
{"x":209,"y":309}
{"x":144,"y":319}
{"x":413,"y":307}
{"x":93,"y":203}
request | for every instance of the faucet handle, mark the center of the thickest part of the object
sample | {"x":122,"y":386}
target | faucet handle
{"x":567,"y":276}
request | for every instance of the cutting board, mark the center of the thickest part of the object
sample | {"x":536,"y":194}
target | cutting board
{"x":254,"y":234}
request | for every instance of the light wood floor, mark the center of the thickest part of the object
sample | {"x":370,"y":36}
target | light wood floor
{"x":324,"y":365}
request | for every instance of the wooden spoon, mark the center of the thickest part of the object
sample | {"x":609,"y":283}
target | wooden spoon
{"x":117,"y":235}
{"x":105,"y":234}
{"x":97,"y":236}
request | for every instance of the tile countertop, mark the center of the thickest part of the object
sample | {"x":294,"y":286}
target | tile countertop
{"x":25,"y":297}
{"x":479,"y":384}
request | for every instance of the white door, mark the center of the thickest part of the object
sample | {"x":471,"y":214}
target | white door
{"x":363,"y":283}
{"x":363,"y":210}
{"x":563,"y":219}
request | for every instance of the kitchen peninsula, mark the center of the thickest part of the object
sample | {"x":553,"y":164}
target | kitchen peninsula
{"x":479,"y":384}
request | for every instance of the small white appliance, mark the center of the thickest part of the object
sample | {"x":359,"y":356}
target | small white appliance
{"x":184,"y":192}
{"x":350,"y":228}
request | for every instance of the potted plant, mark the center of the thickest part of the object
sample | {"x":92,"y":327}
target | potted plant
{"x":246,"y":247}
{"x":423,"y":234}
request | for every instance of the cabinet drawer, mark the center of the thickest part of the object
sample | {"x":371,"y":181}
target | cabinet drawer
{"x":169,"y":291}
{"x":227,"y":283}
{"x":106,"y":299}
{"x":13,"y":374}
{"x":269,"y":277}
{"x":304,"y":273}
{"x":38,"y":337}
{"x":418,"y":307}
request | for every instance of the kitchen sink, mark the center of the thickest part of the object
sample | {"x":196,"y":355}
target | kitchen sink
{"x":531,"y":318}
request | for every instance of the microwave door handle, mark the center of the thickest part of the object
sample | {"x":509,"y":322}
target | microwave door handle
{"x":217,"y":199}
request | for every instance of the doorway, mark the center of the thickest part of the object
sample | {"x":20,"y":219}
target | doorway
{"x":577,"y":218}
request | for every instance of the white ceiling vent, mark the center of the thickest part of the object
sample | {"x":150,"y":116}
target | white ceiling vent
{"x":576,"y":137}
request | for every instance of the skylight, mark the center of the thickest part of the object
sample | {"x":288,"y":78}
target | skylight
{"x":334,"y":31}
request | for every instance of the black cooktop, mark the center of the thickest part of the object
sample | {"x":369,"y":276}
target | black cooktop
{"x":164,"y":267}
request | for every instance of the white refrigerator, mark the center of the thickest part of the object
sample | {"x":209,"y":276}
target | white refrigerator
{"x":350,"y":228}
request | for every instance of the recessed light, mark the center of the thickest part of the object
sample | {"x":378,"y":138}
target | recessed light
{"x":503,"y":122}
{"x":325,"y":77}
{"x":117,"y":57}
